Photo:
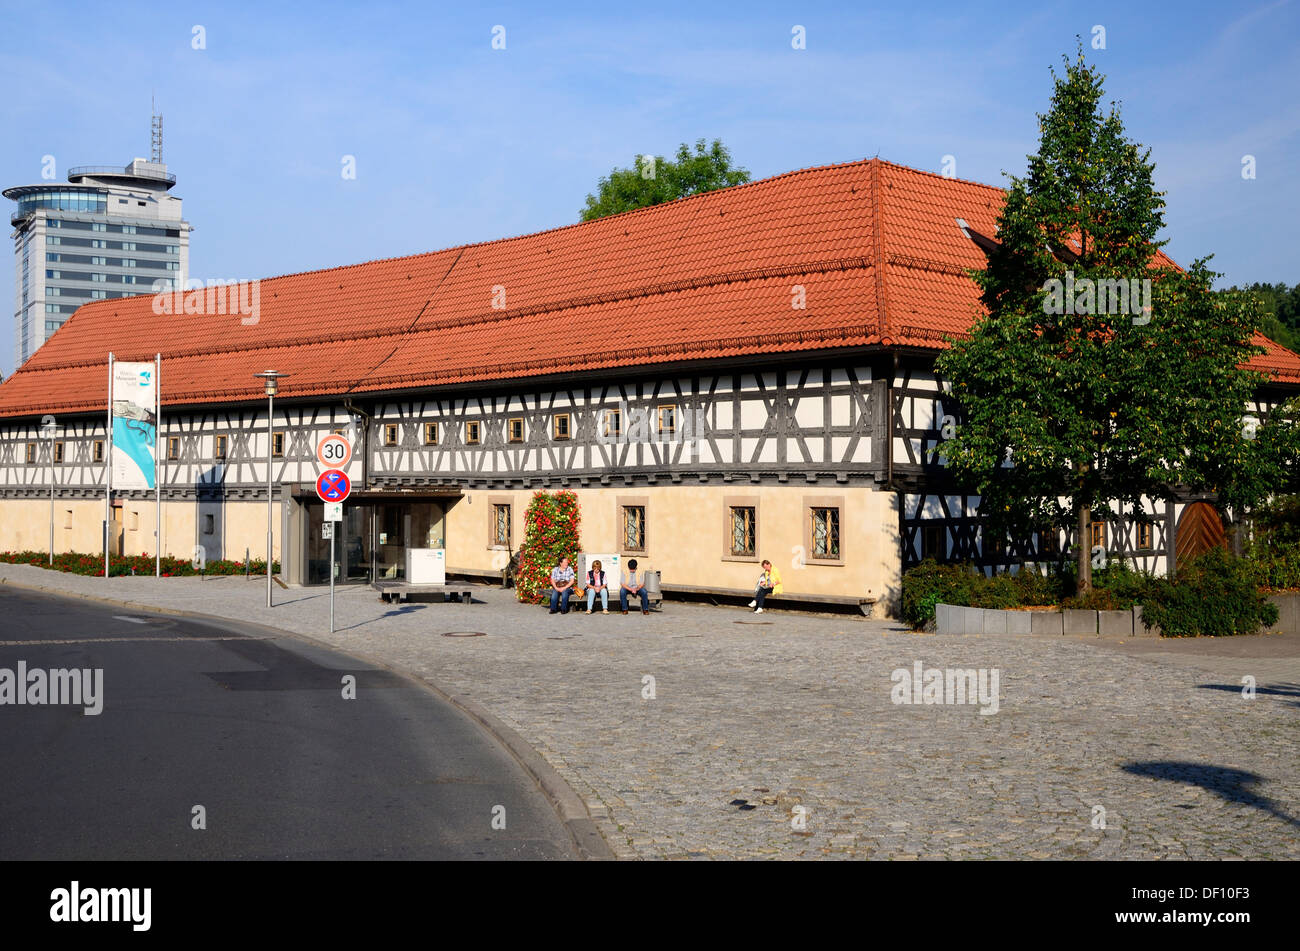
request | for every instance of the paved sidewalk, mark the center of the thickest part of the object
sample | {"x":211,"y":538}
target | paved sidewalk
{"x":793,"y":713}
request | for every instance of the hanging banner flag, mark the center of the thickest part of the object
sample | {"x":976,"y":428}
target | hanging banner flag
{"x":135,"y":424}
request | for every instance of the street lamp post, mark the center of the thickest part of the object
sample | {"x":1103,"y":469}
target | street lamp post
{"x":47,"y":423}
{"x":271,"y":378}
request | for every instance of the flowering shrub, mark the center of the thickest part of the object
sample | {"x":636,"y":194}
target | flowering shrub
{"x":81,"y":564}
{"x":550,"y":533}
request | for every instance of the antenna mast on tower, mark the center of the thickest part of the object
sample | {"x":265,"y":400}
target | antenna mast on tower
{"x":155,"y":134}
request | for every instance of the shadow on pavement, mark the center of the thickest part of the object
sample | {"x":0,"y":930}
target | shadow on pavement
{"x":1277,"y":690}
{"x":1230,"y":785}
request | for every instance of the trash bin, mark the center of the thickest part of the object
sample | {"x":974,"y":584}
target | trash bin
{"x":652,"y":589}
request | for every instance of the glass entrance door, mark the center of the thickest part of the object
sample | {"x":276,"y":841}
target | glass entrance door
{"x":352,"y":546}
{"x":371,"y":541}
{"x":403,"y":525}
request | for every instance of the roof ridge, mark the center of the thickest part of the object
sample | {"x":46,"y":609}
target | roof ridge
{"x":497,"y":316}
{"x":947,"y":178}
{"x":729,"y":189}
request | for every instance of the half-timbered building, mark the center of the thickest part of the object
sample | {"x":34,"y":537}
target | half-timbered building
{"x":739,"y":375}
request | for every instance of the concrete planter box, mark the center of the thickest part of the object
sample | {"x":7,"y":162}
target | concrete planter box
{"x":1048,"y":623}
{"x":1139,"y":628}
{"x":1288,"y":613}
{"x":1115,"y":623}
{"x":1079,"y":622}
{"x":952,"y":619}
{"x":1020,"y":622}
{"x":967,"y":621}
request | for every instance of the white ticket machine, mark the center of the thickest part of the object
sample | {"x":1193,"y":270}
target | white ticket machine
{"x":426,"y":566}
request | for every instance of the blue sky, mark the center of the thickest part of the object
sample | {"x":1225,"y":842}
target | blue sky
{"x":457,"y":142}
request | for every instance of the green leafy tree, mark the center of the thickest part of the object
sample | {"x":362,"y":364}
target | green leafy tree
{"x":1072,"y":400}
{"x":653,"y":180}
{"x":1281,"y":309}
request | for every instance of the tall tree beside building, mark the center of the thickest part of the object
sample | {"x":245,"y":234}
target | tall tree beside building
{"x":1281,"y":312}
{"x":1084,"y":388}
{"x":653,"y":180}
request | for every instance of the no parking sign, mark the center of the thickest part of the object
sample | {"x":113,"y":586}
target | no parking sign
{"x":333,"y":485}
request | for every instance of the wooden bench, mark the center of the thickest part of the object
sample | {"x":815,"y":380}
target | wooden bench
{"x":395,"y":592}
{"x":864,"y":605}
{"x":578,"y":602}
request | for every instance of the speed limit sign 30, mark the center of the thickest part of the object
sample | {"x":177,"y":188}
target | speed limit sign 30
{"x":334,"y":451}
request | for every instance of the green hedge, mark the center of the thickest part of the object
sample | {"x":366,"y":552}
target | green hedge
{"x":82,"y":564}
{"x":1117,"y":587}
{"x":1213,"y":595}
{"x":1274,"y":550}
{"x":931,"y":583}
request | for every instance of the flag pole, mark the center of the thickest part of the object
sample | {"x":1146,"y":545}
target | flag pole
{"x":157,"y":465}
{"x":108,"y":467}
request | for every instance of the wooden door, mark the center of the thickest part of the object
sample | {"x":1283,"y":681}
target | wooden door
{"x":1199,"y":529}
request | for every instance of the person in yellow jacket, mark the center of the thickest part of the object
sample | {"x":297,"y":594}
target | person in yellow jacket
{"x":769,"y":582}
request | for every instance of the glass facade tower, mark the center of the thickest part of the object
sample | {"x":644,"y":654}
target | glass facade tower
{"x":111,"y":231}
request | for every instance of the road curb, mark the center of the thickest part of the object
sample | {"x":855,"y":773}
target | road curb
{"x":588,"y":842}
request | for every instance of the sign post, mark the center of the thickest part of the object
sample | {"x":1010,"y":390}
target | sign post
{"x":47,"y":428}
{"x":333,"y":486}
{"x":108,"y":464}
{"x":327,"y":531}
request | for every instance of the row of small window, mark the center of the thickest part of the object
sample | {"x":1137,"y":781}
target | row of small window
{"x":98,"y":451}
{"x":742,"y":522}
{"x":113,"y":229}
{"x":55,"y":257}
{"x":92,"y":295}
{"x":91,"y":276}
{"x":79,"y":292}
{"x":173,"y":442}
{"x":105,"y":244}
{"x":561,"y":427}
{"x":220,"y":447}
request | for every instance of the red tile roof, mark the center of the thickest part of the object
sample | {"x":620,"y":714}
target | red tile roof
{"x":875,"y":246}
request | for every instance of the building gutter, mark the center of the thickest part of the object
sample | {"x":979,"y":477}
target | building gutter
{"x":354,"y":411}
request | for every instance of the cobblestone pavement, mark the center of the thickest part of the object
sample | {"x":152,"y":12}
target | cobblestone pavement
{"x":793,"y":713}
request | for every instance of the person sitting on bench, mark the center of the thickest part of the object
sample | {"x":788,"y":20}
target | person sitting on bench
{"x":561,"y":585}
{"x":596,"y":582}
{"x":769,"y":582}
{"x":632,"y":584}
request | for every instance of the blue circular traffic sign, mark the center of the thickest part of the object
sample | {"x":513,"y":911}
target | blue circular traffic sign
{"x":333,"y":485}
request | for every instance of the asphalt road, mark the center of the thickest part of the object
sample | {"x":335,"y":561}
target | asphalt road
{"x":255,"y":729}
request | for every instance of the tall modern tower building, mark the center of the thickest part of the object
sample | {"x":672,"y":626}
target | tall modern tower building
{"x":112,"y":231}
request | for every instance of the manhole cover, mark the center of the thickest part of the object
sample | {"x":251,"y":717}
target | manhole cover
{"x":759,"y":623}
{"x":464,"y":634}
